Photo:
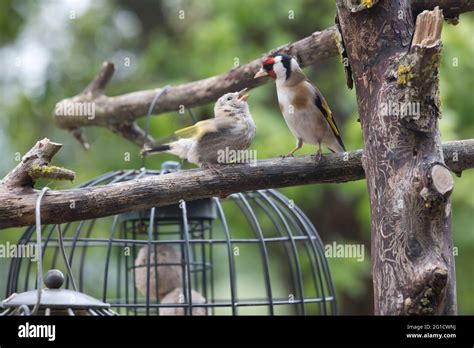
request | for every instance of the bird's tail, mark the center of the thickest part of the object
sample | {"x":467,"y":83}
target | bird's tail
{"x":150,"y":150}
{"x":179,"y":148}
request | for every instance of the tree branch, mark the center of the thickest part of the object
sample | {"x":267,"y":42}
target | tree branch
{"x":92,"y":202}
{"x":113,"y":112}
{"x":417,"y":72}
{"x":97,"y":86}
{"x":51,"y":172}
{"x":35,"y":165}
{"x":132,"y":132}
{"x":451,"y":9}
{"x":118,"y":113}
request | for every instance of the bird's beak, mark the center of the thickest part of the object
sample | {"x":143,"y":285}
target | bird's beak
{"x":260,"y":73}
{"x":244,"y":96}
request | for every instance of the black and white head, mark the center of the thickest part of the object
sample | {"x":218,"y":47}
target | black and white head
{"x":232,"y":104}
{"x":279,"y":67}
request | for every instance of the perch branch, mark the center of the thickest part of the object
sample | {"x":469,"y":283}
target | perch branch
{"x":154,"y":191}
{"x":35,"y":165}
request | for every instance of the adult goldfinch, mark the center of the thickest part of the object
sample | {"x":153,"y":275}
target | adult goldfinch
{"x":231,"y":130}
{"x":305,"y":110}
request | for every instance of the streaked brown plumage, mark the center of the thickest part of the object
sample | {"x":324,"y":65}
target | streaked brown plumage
{"x":232,"y":128}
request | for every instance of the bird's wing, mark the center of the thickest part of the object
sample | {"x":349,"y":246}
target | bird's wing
{"x":207,"y":127}
{"x":221,"y":131}
{"x":197,"y":130}
{"x":323,"y":106}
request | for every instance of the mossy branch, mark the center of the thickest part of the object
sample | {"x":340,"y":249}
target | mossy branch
{"x":34,"y":165}
{"x":51,"y":172}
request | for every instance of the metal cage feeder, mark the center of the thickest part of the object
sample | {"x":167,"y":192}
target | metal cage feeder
{"x":54,"y":301}
{"x":251,"y":253}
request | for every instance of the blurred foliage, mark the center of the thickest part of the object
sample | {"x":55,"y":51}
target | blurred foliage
{"x":51,"y":50}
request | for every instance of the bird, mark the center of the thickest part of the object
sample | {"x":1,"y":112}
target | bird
{"x":231,"y":129}
{"x":304,"y":108}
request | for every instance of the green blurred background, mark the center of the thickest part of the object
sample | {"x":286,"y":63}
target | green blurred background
{"x":50,"y":50}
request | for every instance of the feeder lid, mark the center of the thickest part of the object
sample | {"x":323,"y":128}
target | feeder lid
{"x":53,"y":296}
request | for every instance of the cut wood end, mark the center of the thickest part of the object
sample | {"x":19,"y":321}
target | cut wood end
{"x":46,"y":142}
{"x":43,"y":142}
{"x":51,"y":149}
{"x":35,"y":164}
{"x":428,"y":28}
{"x":442,"y":179}
{"x":43,"y":148}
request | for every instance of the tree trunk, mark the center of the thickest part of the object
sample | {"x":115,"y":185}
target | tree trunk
{"x":395,"y":69}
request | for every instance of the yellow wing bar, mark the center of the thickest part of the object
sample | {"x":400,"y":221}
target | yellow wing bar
{"x":323,"y":106}
{"x":197,"y":130}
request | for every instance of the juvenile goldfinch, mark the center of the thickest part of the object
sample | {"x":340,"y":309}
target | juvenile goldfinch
{"x":232,"y":129}
{"x":305,"y":110}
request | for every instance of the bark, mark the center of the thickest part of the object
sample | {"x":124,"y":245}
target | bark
{"x":17,"y":208}
{"x":35,"y":165}
{"x":408,"y":184}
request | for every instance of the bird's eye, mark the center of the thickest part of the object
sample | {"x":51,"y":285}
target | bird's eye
{"x":229,"y":98}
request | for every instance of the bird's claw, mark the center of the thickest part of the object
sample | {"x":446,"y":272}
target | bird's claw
{"x":318,"y":157}
{"x":214,"y":168}
{"x":288,"y":155}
